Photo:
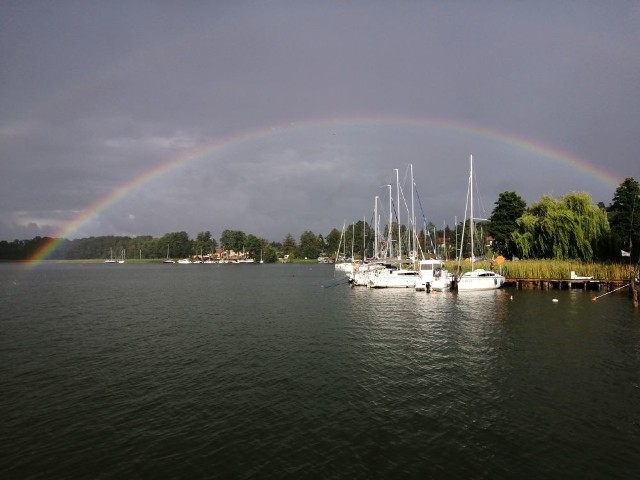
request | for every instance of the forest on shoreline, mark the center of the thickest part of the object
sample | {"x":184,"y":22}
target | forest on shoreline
{"x":569,"y":228}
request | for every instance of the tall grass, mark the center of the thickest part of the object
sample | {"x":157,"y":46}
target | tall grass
{"x":553,"y":269}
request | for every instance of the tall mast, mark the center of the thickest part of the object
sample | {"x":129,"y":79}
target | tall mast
{"x":353,"y":238}
{"x":413,"y":218}
{"x":389,"y":236}
{"x":398,"y":207}
{"x":364,"y":239}
{"x":444,"y":239}
{"x":375,"y":228}
{"x":471,"y":219}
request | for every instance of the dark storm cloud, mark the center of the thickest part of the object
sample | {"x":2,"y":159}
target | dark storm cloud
{"x":95,"y":94}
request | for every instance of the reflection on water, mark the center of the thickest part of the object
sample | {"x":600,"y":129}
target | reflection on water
{"x":256,"y":371}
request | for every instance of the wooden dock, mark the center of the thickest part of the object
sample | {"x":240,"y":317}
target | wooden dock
{"x":564,"y":284}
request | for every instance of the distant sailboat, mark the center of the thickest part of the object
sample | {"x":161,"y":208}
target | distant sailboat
{"x":168,"y":260}
{"x":122,"y":257}
{"x":110,"y":259}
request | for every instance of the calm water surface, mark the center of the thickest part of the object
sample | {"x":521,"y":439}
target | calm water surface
{"x":256,"y":371}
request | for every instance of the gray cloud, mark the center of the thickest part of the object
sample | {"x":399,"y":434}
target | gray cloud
{"x":92,"y":98}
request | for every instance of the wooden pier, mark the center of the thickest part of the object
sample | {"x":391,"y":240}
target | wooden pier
{"x":564,"y":284}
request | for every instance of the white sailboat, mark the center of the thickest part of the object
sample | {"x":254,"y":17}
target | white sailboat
{"x":168,"y":260}
{"x":122,"y":257}
{"x":394,"y":276}
{"x":478,"y":279}
{"x":110,"y":259}
{"x":341,"y":263}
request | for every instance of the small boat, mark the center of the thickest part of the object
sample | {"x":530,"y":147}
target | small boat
{"x":433,"y":276}
{"x":168,"y":260}
{"x":575,"y":276}
{"x":110,"y":259}
{"x":480,"y":279}
{"x":185,"y":260}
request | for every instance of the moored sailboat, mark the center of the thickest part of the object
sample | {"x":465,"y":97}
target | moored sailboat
{"x":110,"y":259}
{"x":168,"y":259}
{"x":476,"y":279}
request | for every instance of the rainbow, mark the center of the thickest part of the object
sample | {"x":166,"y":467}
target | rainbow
{"x":233,"y":141}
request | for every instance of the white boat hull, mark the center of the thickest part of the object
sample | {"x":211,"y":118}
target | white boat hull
{"x":393,"y":279}
{"x":480,"y":280}
{"x":433,"y":276}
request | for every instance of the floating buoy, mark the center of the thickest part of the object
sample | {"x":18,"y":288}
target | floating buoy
{"x":555,"y":300}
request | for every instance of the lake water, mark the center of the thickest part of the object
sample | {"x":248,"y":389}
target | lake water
{"x":257,"y":371}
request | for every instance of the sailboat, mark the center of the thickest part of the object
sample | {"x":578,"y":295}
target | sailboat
{"x":393,"y":275}
{"x":168,"y":260}
{"x":122,"y":257}
{"x":110,"y":259}
{"x":478,"y":279}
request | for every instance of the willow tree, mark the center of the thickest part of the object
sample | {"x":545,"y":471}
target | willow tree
{"x":569,"y":228}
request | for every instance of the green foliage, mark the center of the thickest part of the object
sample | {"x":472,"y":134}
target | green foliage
{"x":289,"y":245}
{"x":309,"y":246}
{"x":233,"y":240}
{"x":624,"y":218}
{"x":254,"y":245}
{"x":204,"y":243}
{"x":178,"y":245}
{"x":332,"y":242}
{"x":270,"y":254}
{"x":569,"y":228}
{"x":502,"y":222}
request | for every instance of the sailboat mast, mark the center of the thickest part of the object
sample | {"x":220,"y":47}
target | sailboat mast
{"x":444,"y":240}
{"x":389,"y":236}
{"x":398,"y":207}
{"x":353,"y":239}
{"x":364,"y":239}
{"x":413,"y":218}
{"x":375,"y":229}
{"x":471,"y":219}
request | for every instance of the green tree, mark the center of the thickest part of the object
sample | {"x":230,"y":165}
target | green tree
{"x":233,"y":240}
{"x":270,"y":253}
{"x":289,"y":245}
{"x":569,"y":228}
{"x":624,"y":218}
{"x":309,"y":246}
{"x":332,"y":241}
{"x":178,"y":243}
{"x":254,"y":245}
{"x":502,"y":222}
{"x":204,"y":243}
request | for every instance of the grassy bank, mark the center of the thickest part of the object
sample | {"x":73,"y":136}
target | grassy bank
{"x":554,"y":269}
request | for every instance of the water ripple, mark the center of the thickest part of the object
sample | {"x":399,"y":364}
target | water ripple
{"x":165,"y":372}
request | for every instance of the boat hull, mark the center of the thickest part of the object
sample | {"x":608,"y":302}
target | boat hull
{"x":480,"y":280}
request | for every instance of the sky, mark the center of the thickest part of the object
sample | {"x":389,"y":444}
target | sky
{"x":143,"y":118}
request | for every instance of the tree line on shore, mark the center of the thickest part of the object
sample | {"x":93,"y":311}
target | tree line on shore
{"x":569,"y":228}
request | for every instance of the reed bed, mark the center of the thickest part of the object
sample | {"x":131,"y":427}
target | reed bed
{"x":552,"y":269}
